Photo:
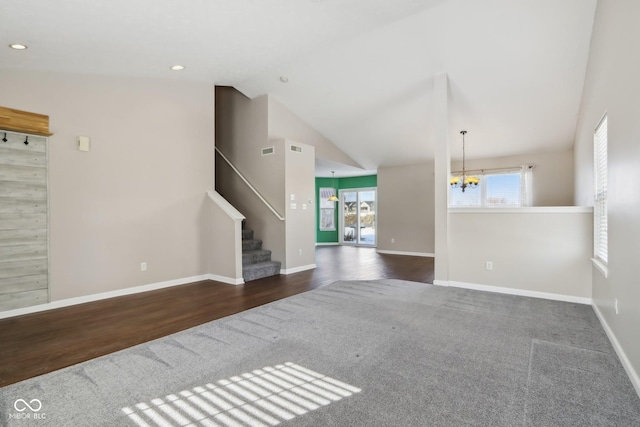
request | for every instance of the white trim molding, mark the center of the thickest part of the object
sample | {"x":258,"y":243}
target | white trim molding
{"x":531,"y":209}
{"x":600,"y":266}
{"x":420,"y":254}
{"x":444,"y":283}
{"x":327,"y":244}
{"x":633,"y":375}
{"x":227,"y":207}
{"x":522,"y":292}
{"x":224,"y":279}
{"x":105,"y":295}
{"x":297,"y":269}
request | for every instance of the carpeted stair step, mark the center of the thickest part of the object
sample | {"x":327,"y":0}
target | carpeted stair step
{"x":256,"y":262}
{"x":254,"y":257}
{"x":251,"y":245}
{"x":247,"y":234}
{"x":260,"y":270}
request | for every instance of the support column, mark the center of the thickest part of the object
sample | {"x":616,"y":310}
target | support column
{"x":442,"y":170}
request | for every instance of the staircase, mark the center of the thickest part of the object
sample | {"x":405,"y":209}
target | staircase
{"x":256,"y":262}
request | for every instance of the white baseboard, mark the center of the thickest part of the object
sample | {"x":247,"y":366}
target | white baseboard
{"x":444,"y":283}
{"x":422,"y":254}
{"x":297,"y":269}
{"x":633,"y":375}
{"x":328,"y":244}
{"x":224,"y":279}
{"x":522,"y":292}
{"x":112,"y":294}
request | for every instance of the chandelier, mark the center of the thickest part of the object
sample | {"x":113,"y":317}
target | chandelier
{"x":464,"y":181}
{"x":333,"y":197}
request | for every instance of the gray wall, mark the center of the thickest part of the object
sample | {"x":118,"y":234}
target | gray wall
{"x":139,"y":194}
{"x":405,"y":209}
{"x":612,"y":86}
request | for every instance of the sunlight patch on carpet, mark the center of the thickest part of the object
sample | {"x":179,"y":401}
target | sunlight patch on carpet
{"x":261,"y":398}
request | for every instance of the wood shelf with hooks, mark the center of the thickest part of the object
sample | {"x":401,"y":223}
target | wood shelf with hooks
{"x":24,"y":122}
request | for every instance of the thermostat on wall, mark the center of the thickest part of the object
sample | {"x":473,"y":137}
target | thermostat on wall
{"x":83,"y":143}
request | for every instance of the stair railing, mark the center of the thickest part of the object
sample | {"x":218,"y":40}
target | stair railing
{"x":267,"y":204}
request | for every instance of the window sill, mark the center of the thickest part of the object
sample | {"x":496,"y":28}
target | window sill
{"x":602,"y":267}
{"x":529,"y":209}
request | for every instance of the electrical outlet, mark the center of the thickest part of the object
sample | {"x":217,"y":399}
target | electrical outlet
{"x":143,"y":266}
{"x":617,"y":307}
{"x":299,"y":251}
{"x":488,"y":265}
{"x":393,"y":240}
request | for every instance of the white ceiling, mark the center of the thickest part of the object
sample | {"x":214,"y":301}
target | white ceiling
{"x":360,"y":71}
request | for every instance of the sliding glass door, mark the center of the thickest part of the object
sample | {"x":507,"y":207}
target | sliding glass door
{"x":358,"y":219}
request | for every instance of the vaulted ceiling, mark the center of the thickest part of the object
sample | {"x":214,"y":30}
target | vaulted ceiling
{"x":359,"y":71}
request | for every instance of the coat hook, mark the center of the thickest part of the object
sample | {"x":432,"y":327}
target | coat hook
{"x":5,"y":137}
{"x":26,"y":141}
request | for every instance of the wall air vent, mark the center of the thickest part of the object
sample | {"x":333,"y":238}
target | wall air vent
{"x":296,"y":148}
{"x":268,"y":151}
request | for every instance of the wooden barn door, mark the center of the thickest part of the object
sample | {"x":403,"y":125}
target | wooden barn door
{"x":23,"y":220}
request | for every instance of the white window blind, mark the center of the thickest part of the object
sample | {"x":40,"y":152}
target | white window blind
{"x":600,"y":223}
{"x":502,"y":190}
{"x":509,"y":188}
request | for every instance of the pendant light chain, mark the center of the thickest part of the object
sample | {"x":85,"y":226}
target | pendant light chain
{"x":464,"y":181}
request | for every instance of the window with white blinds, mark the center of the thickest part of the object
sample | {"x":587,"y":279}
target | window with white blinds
{"x":600,"y":223}
{"x":508,"y":188}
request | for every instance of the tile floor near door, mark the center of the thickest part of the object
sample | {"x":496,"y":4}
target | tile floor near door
{"x":38,"y":343}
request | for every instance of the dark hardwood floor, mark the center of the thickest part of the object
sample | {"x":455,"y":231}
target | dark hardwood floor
{"x":38,"y":343}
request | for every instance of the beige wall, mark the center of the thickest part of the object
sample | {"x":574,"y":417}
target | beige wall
{"x":241,"y":134}
{"x":284,"y":124}
{"x":224,"y":234}
{"x":243,"y":128}
{"x":535,"y":250}
{"x":405,"y":209}
{"x":300,"y":186}
{"x":612,"y":86}
{"x":139,"y":194}
{"x":552,"y":175}
{"x":399,"y":186}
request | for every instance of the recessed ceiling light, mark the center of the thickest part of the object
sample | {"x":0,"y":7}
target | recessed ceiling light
{"x":284,"y":79}
{"x":177,"y":67}
{"x":18,"y":46}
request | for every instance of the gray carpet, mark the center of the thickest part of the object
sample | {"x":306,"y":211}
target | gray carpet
{"x":368,"y":353}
